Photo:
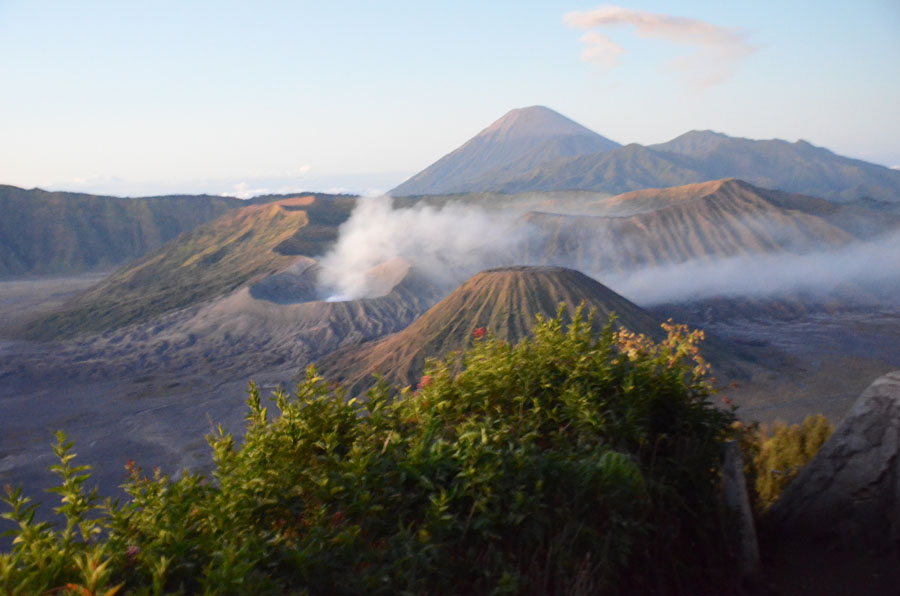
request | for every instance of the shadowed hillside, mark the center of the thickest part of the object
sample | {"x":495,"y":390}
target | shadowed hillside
{"x":60,"y":232}
{"x":504,"y":301}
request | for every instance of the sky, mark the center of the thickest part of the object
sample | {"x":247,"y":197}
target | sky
{"x":244,"y":98}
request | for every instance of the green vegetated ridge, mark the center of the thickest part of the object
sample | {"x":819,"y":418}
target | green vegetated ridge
{"x":203,"y":263}
{"x":60,"y":232}
{"x":570,"y":463}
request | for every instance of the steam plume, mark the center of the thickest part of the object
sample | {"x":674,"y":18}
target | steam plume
{"x":446,"y":244}
{"x":872,"y":266}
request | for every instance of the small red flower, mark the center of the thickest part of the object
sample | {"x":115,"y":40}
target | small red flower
{"x":478,"y":333}
{"x":425,"y":381}
{"x":726,"y":400}
{"x":337,"y":518}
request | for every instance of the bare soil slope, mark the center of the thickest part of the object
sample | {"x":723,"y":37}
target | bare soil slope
{"x":504,"y":301}
{"x":212,"y":260}
{"x":722,"y":218}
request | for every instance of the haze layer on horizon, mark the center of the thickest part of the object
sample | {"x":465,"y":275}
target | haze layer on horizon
{"x":132,"y":99}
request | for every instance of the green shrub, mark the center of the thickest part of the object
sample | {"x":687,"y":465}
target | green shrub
{"x":567,"y":464}
{"x":780,"y":452}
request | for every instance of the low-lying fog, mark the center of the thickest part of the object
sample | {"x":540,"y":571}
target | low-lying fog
{"x":447,"y":244}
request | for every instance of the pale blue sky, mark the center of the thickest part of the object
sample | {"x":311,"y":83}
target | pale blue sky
{"x":143,"y":97}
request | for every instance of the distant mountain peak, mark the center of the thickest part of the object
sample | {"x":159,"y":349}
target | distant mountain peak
{"x":535,"y":121}
{"x":522,"y":139}
{"x":705,"y":133}
{"x":693,"y":142}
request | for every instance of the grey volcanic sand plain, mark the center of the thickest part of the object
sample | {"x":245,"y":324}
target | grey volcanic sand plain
{"x":28,"y":298}
{"x":816,"y":362}
{"x":150,"y":392}
{"x":157,"y":420}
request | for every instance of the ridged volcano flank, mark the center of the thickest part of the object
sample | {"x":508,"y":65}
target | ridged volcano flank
{"x":519,"y":141}
{"x":505,"y":301}
{"x":243,"y":246}
{"x":699,"y":222}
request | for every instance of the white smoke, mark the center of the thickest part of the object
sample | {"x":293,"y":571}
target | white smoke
{"x":445,"y":245}
{"x":868,"y":265}
{"x":448,"y":244}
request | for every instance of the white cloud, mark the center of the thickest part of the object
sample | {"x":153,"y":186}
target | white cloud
{"x":600,"y":49}
{"x":305,"y":168}
{"x":862,"y":263}
{"x":717,"y":50}
{"x":97,"y":179}
{"x":242,"y":190}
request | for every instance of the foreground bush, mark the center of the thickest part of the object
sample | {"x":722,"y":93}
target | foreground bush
{"x":567,"y":464}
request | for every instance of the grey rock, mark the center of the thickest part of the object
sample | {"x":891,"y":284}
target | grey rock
{"x":737,"y":498}
{"x":850,"y":491}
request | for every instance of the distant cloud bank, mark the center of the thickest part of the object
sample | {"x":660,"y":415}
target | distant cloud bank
{"x":717,"y":50}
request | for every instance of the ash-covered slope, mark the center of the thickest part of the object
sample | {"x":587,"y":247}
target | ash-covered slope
{"x":234,"y":337}
{"x":214,"y":259}
{"x":521,"y":140}
{"x":711,"y":220}
{"x":504,"y":301}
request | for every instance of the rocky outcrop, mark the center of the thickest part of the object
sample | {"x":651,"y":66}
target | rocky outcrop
{"x":850,"y":491}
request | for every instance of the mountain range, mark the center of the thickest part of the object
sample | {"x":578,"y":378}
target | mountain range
{"x":270,"y":248}
{"x":537,"y":149}
{"x":211,"y":292}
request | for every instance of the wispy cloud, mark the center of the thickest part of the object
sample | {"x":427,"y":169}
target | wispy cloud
{"x":717,"y":50}
{"x":600,"y":49}
{"x":242,"y":190}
